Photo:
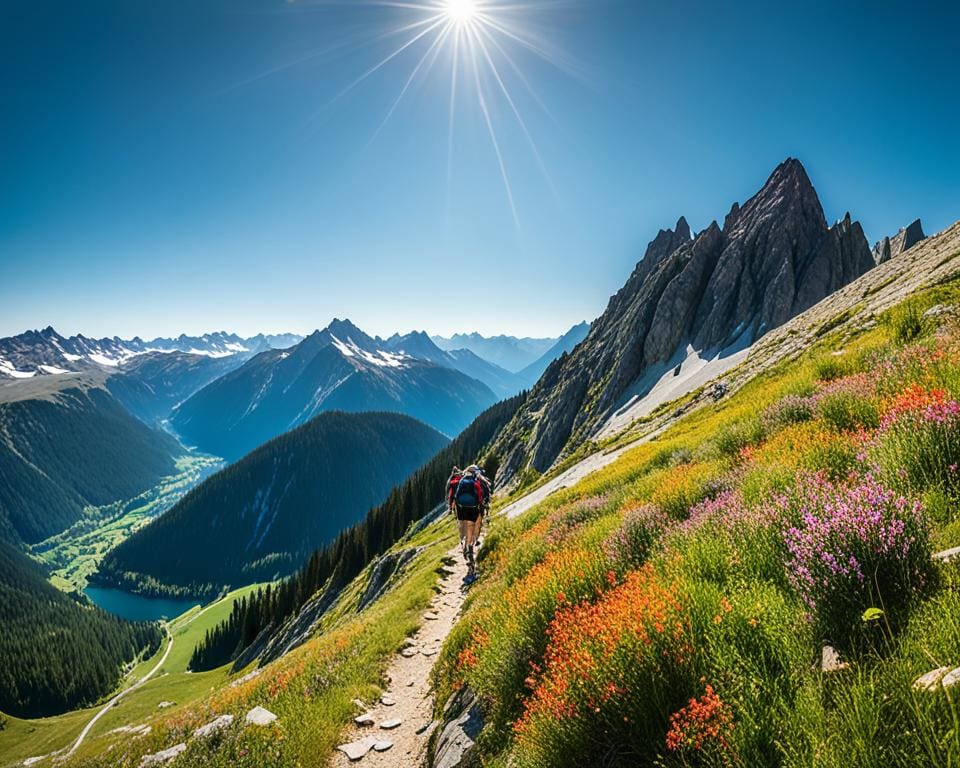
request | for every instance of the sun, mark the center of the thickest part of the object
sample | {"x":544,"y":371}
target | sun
{"x":461,"y":11}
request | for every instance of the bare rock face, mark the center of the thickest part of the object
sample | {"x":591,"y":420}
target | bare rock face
{"x":774,"y":258}
{"x":904,"y":240}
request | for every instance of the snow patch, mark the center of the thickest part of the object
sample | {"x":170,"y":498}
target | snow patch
{"x":71,"y":358}
{"x":686,"y":371}
{"x":52,"y":370}
{"x":380,"y":358}
{"x":7,"y":369}
{"x":103,"y":360}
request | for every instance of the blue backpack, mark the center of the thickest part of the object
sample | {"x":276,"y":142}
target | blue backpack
{"x":466,"y":495}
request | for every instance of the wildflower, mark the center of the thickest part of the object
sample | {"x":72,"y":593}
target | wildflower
{"x":705,"y":723}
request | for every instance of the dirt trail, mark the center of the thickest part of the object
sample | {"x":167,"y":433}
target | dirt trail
{"x":409,"y":683}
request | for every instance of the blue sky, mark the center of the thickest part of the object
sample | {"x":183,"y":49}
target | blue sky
{"x":190,"y":165}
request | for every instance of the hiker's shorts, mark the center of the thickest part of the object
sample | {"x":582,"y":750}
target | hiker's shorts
{"x":469,"y":514}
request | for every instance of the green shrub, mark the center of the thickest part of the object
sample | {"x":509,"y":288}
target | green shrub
{"x":847,"y":411}
{"x":735,"y":437}
{"x":907,"y":321}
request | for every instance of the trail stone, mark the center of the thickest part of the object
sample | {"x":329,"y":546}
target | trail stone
{"x":360,"y":705}
{"x":429,"y":652}
{"x":408,"y":653}
{"x":930,"y":680}
{"x":159,"y":758}
{"x":431,"y":616}
{"x":830,"y":660}
{"x":364,"y":720}
{"x":389,"y":725}
{"x":355,"y":750}
{"x":260,"y":716}
{"x":387,"y":701}
{"x":166,"y":704}
{"x":947,"y":554}
{"x":382,"y":746}
{"x":951,"y":678}
{"x":213,"y":727}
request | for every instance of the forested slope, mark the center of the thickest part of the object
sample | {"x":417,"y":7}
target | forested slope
{"x":56,"y":654}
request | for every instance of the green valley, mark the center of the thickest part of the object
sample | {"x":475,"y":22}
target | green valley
{"x":75,"y":553}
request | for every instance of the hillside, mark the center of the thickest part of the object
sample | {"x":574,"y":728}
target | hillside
{"x":151,"y":385}
{"x":55,"y":654}
{"x":263,"y":515}
{"x":338,"y":368}
{"x":693,"y":304}
{"x":65,"y":442}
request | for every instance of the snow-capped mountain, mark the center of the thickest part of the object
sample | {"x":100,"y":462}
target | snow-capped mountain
{"x":338,"y":368}
{"x":46,"y":352}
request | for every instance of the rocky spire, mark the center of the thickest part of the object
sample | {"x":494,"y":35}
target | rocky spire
{"x":774,"y":258}
{"x":904,"y":240}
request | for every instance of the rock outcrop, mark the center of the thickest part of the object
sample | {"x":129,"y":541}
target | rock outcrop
{"x":904,"y":240}
{"x":774,"y":258}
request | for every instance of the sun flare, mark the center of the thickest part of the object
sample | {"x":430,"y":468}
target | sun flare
{"x":482,"y":45}
{"x":461,"y":11}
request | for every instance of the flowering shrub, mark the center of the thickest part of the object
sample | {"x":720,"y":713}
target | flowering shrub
{"x":918,"y":444}
{"x":809,"y":446}
{"x":852,"y":547}
{"x":791,"y":409}
{"x":631,"y":542}
{"x":515,"y":630}
{"x":569,"y":518}
{"x":615,"y":667}
{"x":704,"y":725}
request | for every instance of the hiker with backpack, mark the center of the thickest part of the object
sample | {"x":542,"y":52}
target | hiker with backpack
{"x":468,"y":494}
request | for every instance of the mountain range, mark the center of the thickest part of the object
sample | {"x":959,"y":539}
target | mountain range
{"x":46,"y":352}
{"x":264,"y":514}
{"x":509,"y":352}
{"x":338,"y":368}
{"x":694,"y":302}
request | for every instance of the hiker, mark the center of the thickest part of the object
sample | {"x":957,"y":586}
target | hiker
{"x":468,"y":493}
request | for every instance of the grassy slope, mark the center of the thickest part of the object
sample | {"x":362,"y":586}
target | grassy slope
{"x":311,"y":689}
{"x":857,"y":717}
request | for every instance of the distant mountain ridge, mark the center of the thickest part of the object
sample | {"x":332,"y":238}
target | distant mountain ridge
{"x":263,"y":515}
{"x":564,"y":345}
{"x":46,"y":352}
{"x":338,"y":368}
{"x":509,"y":352}
{"x":712,"y":294}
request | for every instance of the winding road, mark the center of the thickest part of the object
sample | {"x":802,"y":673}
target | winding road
{"x":112,"y":703}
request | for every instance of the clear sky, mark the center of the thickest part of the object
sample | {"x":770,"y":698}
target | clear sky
{"x":194,"y":165}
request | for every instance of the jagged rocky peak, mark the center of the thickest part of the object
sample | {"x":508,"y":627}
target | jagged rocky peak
{"x":722,"y":289}
{"x":904,"y":240}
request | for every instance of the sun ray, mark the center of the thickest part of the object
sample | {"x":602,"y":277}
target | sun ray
{"x":454,"y":76}
{"x":436,"y":22}
{"x":518,"y":72}
{"x":494,"y":141}
{"x":516,"y":113}
{"x":434,"y":46}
